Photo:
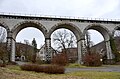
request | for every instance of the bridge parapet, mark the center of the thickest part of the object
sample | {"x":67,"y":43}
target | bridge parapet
{"x":51,"y":17}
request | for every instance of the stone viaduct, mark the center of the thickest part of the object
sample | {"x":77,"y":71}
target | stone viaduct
{"x":47,"y":25}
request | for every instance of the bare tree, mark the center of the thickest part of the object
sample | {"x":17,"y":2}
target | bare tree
{"x":117,"y":34}
{"x":3,"y":52}
{"x":91,"y":57}
{"x":2,"y":34}
{"x":87,"y":42}
{"x":63,"y":39}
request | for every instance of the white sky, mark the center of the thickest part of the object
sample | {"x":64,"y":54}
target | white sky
{"x":78,"y":8}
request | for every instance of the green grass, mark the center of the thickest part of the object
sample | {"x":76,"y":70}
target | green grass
{"x":14,"y":72}
{"x":75,"y":65}
{"x":97,"y":75}
{"x":13,"y":67}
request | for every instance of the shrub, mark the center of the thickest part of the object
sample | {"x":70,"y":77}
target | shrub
{"x":2,"y":65}
{"x":39,"y":61}
{"x":92,"y":59}
{"x":60,"y":59}
{"x":51,"y":69}
{"x":54,"y":69}
{"x":34,"y":58}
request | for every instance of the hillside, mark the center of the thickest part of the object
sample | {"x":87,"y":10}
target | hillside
{"x":21,"y":49}
{"x":101,"y":47}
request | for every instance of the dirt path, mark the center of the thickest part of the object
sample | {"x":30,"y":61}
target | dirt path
{"x":101,"y":69}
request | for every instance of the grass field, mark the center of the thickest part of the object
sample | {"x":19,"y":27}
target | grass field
{"x":14,"y":72}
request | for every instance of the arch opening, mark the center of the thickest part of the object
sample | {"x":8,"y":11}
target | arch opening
{"x":95,"y":37}
{"x":64,"y":41}
{"x":116,"y":34}
{"x":63,"y":35}
{"x":23,"y":36}
{"x":3,"y":34}
{"x":3,"y":47}
{"x":70,"y":29}
{"x":103,"y":47}
{"x":27,"y":35}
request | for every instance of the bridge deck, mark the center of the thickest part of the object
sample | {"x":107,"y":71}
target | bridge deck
{"x":59,"y":18}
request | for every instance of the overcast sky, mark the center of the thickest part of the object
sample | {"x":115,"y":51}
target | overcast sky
{"x":77,"y":8}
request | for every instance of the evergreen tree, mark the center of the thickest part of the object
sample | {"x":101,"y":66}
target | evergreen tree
{"x":34,"y":44}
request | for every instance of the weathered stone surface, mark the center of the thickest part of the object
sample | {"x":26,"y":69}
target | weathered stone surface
{"x":14,"y":24}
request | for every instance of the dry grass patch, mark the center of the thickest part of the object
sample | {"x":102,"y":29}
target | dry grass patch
{"x":19,"y":74}
{"x":14,"y":72}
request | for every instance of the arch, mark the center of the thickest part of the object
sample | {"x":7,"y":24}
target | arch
{"x":102,"y":29}
{"x":106,"y":35}
{"x":18,"y":27}
{"x":76,"y":31}
{"x":116,"y":28}
{"x":3,"y":24}
{"x":26,"y":24}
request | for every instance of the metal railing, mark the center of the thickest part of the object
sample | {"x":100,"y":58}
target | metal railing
{"x":54,"y":16}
